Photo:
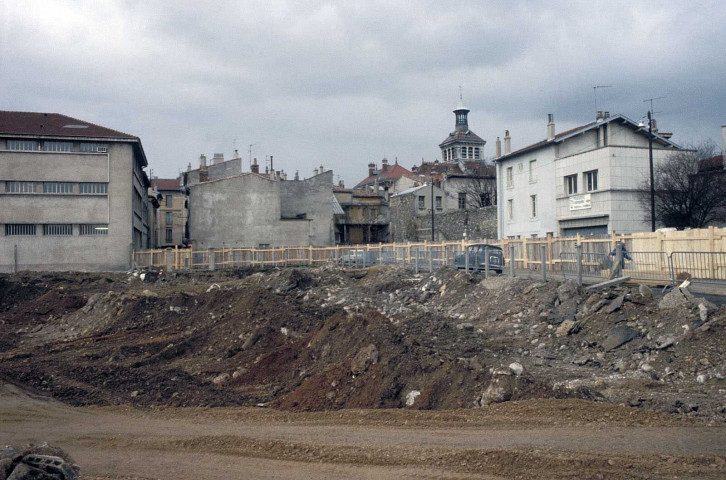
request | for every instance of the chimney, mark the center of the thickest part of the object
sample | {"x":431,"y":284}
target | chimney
{"x":507,"y":143}
{"x":202,"y":162}
{"x":272,"y":165}
{"x":255,"y":166}
{"x":371,"y":168}
{"x":236,"y":155}
{"x":598,"y":116}
{"x":218,"y":158}
{"x":384,"y":164}
{"x":321,"y":168}
{"x":550,"y":127}
{"x":498,"y":148}
{"x":297,"y":175}
{"x":341,"y":184}
{"x":189,"y":167}
{"x":315,"y":171}
{"x":606,"y":115}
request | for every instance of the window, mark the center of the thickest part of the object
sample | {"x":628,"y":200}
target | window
{"x":94,"y":147}
{"x":19,"y":187}
{"x":533,"y":170}
{"x":439,"y":204}
{"x":485,"y":199}
{"x":169,"y":200}
{"x":22,"y":145}
{"x":57,"y":187}
{"x":533,"y":206}
{"x":57,"y":146}
{"x":17,"y":229}
{"x":571,"y":184}
{"x":590,"y":180}
{"x":510,"y":177}
{"x":462,"y":200}
{"x":169,"y":219}
{"x":476,"y":153}
{"x":169,"y":237}
{"x":421,"y":202}
{"x":94,"y":229}
{"x":471,"y":152}
{"x":510,"y":209}
{"x":94,"y":188}
{"x":58,"y":229}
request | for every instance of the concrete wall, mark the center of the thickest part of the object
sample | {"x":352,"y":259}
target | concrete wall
{"x":247,"y":210}
{"x":314,"y":198}
{"x":86,"y":253}
{"x":404,"y":224}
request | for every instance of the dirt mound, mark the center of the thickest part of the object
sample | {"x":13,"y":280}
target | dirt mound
{"x":331,"y":338}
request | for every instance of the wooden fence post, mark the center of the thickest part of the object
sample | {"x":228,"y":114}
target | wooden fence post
{"x":578,"y":249}
{"x":210,"y":254}
{"x":543,"y":254}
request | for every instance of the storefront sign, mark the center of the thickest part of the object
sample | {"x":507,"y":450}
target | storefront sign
{"x":580,"y":202}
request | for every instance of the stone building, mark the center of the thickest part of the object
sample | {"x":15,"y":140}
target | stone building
{"x":73,"y":195}
{"x":462,"y":144}
{"x":251,"y":209}
{"x":171,"y":216}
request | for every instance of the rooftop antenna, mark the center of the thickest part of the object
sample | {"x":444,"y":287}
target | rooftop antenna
{"x":651,"y":103}
{"x":250,"y":150}
{"x":594,"y":91}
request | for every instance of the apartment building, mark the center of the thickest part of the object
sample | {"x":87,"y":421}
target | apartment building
{"x":171,"y":216}
{"x":73,"y":195}
{"x":585,"y":180}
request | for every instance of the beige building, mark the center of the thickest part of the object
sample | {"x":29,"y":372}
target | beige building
{"x":171,"y":218}
{"x":73,"y":195}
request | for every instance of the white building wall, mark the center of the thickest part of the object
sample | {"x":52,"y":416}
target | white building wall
{"x":543,"y":185}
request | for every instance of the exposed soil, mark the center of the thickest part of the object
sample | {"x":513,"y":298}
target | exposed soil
{"x":314,"y":346}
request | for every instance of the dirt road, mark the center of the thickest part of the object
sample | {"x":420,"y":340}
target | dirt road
{"x":533,"y":439}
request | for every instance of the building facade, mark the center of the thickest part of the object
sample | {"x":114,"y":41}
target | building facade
{"x":171,"y":217}
{"x":389,"y":179}
{"x":462,"y":144}
{"x":365,"y":218}
{"x":73,"y":195}
{"x":251,"y":209}
{"x":585,"y":180}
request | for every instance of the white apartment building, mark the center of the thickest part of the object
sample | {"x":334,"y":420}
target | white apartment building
{"x":584,"y":180}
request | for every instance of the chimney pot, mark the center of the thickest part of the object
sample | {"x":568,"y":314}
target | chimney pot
{"x":598,"y":115}
{"x":507,"y":143}
{"x":606,"y":115}
{"x":371,"y":168}
{"x":315,"y":171}
{"x":202,"y":161}
{"x":255,"y":166}
{"x":498,"y":148}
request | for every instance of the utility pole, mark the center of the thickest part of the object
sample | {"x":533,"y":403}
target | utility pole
{"x":652,"y":181}
{"x":432,"y":210}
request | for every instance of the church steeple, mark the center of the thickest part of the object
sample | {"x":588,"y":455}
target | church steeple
{"x":461,"y":113}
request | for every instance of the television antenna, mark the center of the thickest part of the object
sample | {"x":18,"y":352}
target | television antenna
{"x":594,"y":91}
{"x":650,"y":100}
{"x":250,"y":150}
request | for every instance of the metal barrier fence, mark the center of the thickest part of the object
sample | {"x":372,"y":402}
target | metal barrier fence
{"x":700,"y":267}
{"x":655,"y":266}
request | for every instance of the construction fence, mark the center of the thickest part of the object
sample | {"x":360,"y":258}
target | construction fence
{"x":660,"y":257}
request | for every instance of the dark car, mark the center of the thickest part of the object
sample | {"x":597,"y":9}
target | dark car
{"x":476,"y":258}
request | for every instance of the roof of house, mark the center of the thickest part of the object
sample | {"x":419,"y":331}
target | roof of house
{"x":562,"y":136}
{"x":462,"y":136}
{"x":411,"y":190}
{"x":166,"y":183}
{"x":473,"y":168}
{"x":55,"y":125}
{"x":393,"y":172}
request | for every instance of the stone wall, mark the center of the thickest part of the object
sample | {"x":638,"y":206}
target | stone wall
{"x":450,"y":225}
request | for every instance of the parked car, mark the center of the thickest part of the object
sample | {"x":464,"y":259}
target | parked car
{"x":476,"y":258}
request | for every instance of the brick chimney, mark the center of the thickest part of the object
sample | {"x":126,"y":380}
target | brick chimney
{"x":384,"y":164}
{"x":507,"y":143}
{"x":202,"y":162}
{"x":255,"y":166}
{"x":371,"y":168}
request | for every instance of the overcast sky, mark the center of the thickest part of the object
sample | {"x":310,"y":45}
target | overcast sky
{"x":345,"y":83}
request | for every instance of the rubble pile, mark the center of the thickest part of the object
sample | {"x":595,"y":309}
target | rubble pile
{"x":382,"y":337}
{"x":36,"y":463}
